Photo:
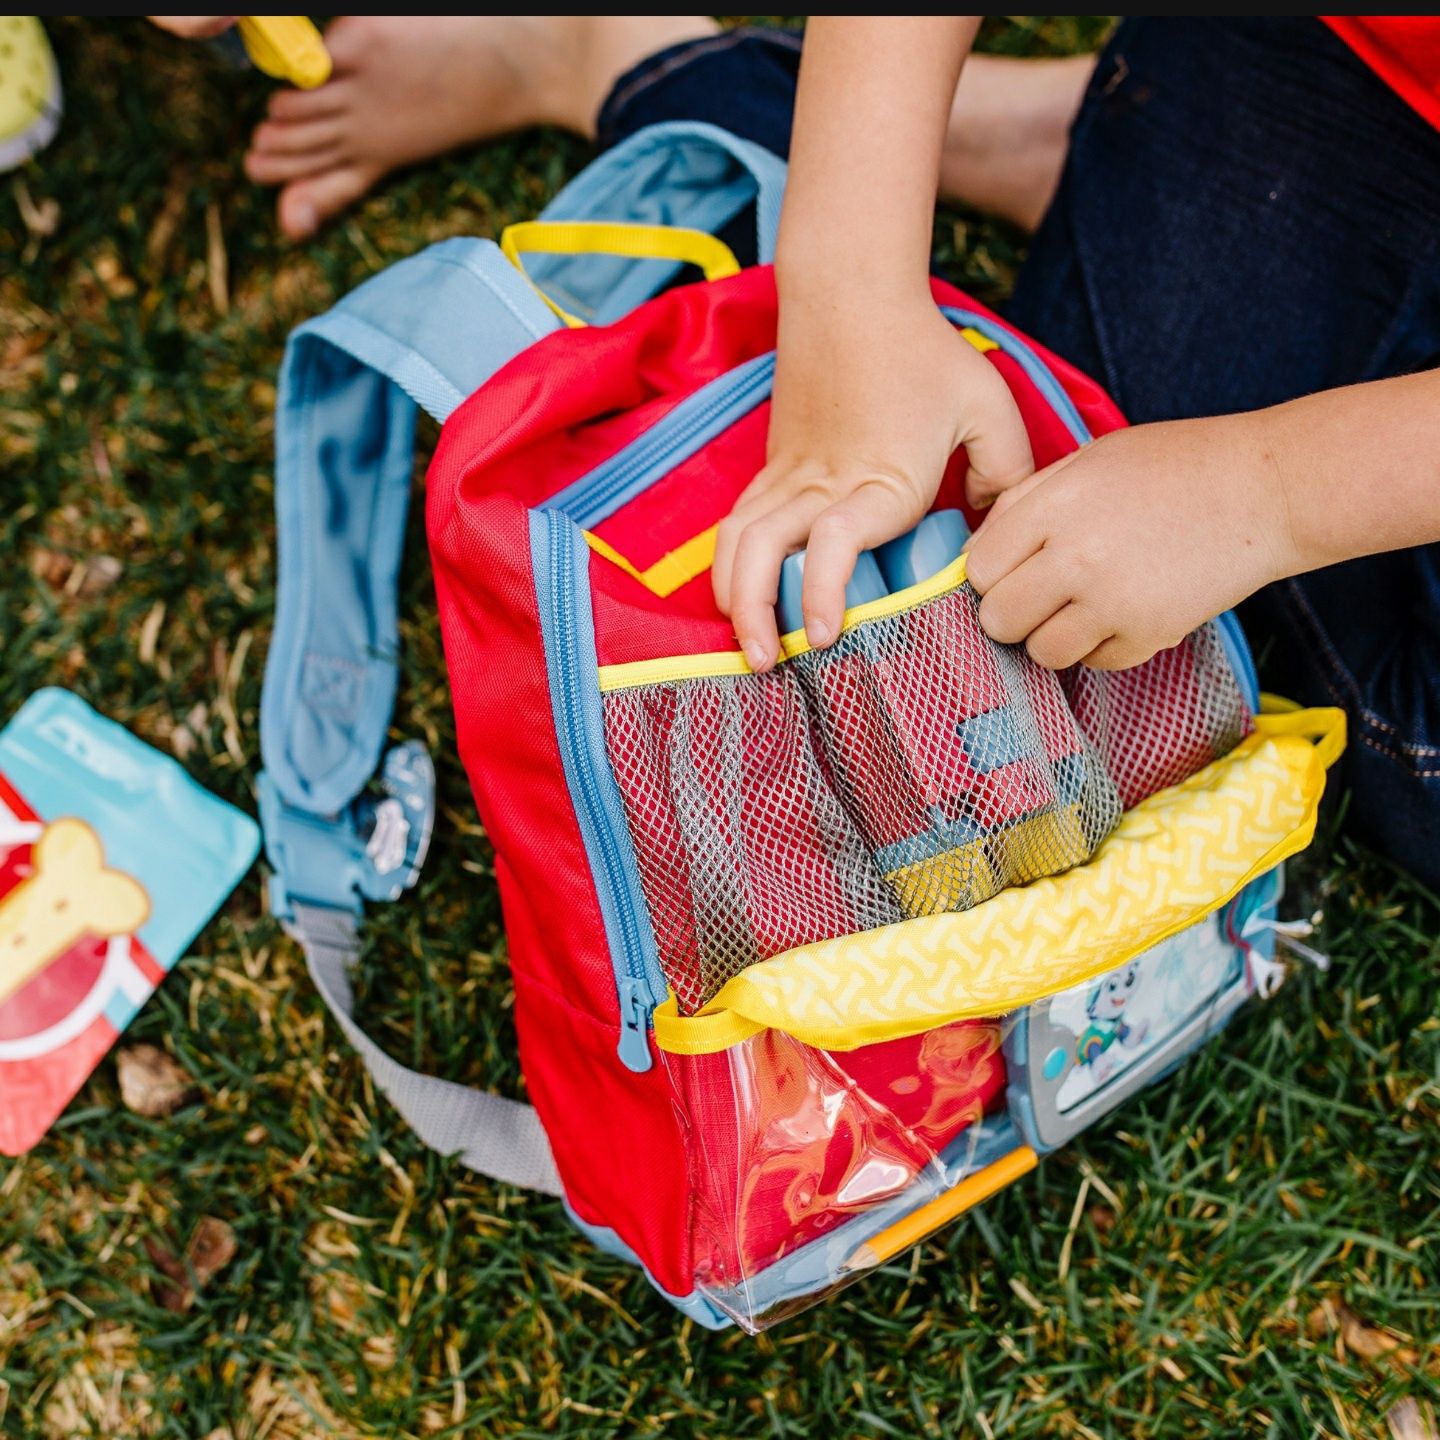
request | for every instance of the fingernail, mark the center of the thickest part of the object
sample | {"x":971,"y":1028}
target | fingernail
{"x":756,"y":655}
{"x":817,"y":632}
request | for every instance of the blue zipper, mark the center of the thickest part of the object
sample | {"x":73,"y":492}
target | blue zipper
{"x":1238,"y":653}
{"x":689,"y":427}
{"x":560,"y":559}
{"x":712,"y":409}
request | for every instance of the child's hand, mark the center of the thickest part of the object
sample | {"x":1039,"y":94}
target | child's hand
{"x":871,"y":399}
{"x":1126,"y":546}
{"x":194,"y":27}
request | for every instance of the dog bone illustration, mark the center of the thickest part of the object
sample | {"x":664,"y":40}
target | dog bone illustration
{"x":69,"y":894}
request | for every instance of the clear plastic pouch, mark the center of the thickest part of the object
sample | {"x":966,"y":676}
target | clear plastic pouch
{"x":810,"y":1168}
{"x":796,"y":1154}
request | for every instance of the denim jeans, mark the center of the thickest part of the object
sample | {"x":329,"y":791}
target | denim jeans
{"x":1247,"y":214}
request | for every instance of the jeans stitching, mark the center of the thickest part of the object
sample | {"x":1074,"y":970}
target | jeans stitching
{"x":1397,"y":759}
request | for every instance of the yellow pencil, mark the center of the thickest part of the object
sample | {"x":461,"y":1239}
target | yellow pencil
{"x":935,"y":1213}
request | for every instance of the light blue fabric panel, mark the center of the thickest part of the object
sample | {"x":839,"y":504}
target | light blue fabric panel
{"x":427,"y":332}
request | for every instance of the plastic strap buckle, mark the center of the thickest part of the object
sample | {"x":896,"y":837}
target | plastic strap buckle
{"x":372,"y":850}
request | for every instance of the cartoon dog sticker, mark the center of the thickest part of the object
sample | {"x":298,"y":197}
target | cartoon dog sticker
{"x":1106,"y":1011}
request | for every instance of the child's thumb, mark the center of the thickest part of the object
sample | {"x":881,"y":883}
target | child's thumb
{"x":995,"y":441}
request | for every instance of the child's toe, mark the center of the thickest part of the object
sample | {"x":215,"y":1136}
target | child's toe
{"x":271,"y":138}
{"x":278,"y":167}
{"x":293,"y":106}
{"x":306,"y":204}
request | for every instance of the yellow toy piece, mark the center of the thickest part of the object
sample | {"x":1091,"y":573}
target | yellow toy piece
{"x":288,"y":47}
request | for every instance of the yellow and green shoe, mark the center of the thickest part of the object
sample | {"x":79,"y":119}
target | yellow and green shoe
{"x":29,"y":90}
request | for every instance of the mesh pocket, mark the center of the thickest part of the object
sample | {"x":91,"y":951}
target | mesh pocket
{"x":914,"y":767}
{"x":744,"y":848}
{"x":1162,"y":721}
{"x":959,"y":758}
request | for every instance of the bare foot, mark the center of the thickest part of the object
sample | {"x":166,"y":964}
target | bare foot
{"x":1009,"y":133}
{"x":406,"y":88}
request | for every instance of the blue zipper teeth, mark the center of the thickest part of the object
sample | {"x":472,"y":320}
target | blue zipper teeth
{"x":637,"y":999}
{"x":591,"y":498}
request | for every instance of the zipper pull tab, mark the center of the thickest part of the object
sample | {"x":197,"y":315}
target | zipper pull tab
{"x":635,"y":1010}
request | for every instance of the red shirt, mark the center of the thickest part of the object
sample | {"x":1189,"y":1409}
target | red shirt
{"x":1403,"y":50}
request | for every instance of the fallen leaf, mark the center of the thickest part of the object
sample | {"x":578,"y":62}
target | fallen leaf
{"x":51,"y":567}
{"x":152,"y":1083}
{"x":174,"y":1293}
{"x":95,"y":575}
{"x":1369,"y":1342}
{"x":1408,"y":1420}
{"x":212,"y":1247}
{"x":1102,"y":1217}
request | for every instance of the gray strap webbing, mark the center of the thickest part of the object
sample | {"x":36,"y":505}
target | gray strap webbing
{"x":498,"y":1137}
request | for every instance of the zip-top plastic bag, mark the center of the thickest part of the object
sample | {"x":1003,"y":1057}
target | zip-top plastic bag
{"x":111,"y":860}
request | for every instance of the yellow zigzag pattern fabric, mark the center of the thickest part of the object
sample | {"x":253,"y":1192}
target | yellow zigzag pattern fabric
{"x":1173,"y":859}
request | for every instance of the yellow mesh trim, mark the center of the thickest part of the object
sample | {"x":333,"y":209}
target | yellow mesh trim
{"x":732,"y":662}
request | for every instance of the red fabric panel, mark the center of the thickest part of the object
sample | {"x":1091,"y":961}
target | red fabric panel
{"x":1403,"y":50}
{"x":616,"y":1139}
{"x":569,"y":402}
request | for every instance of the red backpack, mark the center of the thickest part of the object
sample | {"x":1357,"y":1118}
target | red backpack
{"x":667,"y":823}
{"x":765,"y":931}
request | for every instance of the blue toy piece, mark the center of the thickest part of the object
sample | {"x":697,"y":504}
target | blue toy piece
{"x":866,"y":584}
{"x":924,"y":551}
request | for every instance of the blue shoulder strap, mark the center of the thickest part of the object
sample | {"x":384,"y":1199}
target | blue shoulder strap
{"x":424,"y":333}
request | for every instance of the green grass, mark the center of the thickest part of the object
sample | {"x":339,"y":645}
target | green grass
{"x":1160,"y":1278}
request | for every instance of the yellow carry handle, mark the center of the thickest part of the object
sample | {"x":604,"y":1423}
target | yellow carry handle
{"x":288,"y":47}
{"x":603,"y":237}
